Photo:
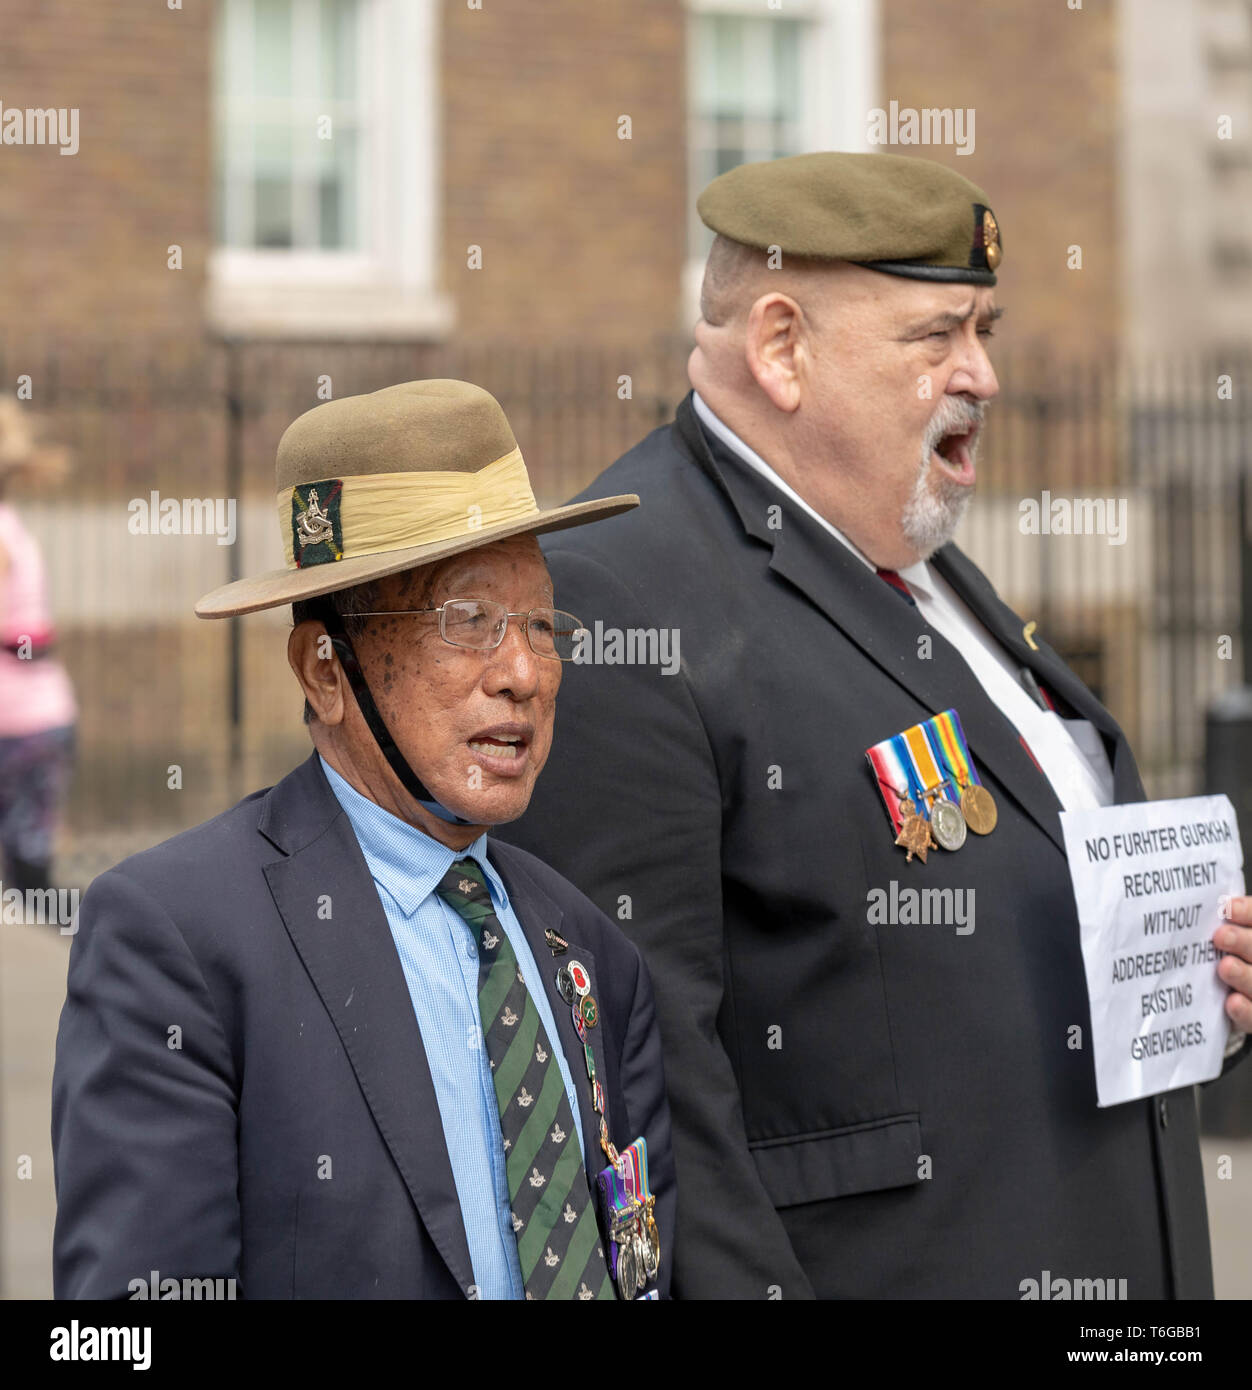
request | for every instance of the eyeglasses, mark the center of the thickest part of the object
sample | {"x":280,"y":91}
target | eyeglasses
{"x":480,"y":624}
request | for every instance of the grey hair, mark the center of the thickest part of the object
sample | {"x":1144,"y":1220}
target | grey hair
{"x":735,"y":276}
{"x":360,"y":598}
{"x":729,"y":268}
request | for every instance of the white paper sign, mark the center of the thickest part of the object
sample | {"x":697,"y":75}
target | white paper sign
{"x":1148,"y":879}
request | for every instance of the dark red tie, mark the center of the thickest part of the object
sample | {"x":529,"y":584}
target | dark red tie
{"x":898,"y":585}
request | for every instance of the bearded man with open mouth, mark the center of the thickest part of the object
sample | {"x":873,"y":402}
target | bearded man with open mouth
{"x":862,"y":1107}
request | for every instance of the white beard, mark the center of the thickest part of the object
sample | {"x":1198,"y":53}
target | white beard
{"x":931,"y":515}
{"x":934,"y":510}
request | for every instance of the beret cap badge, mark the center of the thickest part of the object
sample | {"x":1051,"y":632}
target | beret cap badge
{"x":991,"y":238}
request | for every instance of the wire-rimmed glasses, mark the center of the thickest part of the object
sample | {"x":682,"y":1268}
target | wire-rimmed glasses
{"x":480,"y":624}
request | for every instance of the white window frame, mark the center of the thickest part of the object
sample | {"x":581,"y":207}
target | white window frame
{"x":844,"y":40}
{"x":388,"y":289}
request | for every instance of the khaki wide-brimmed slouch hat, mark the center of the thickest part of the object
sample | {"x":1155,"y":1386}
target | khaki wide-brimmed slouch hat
{"x":371,"y":485}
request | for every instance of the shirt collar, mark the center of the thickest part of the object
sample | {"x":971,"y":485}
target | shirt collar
{"x":753,"y":459}
{"x":919,"y":578}
{"x":404,"y":860}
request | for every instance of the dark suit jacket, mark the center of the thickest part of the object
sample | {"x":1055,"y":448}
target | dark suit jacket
{"x":814,"y":1058}
{"x":299,"y":1046}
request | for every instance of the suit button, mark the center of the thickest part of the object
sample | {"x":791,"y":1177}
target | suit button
{"x":1162,"y":1110}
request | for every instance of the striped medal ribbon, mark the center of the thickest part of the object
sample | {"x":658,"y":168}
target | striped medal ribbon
{"x":948,"y":740}
{"x":921,"y":800}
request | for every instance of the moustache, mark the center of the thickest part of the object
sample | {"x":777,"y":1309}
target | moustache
{"x":954,"y":416}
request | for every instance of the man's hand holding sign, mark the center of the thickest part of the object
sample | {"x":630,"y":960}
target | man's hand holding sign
{"x":1235,"y":936}
{"x":1152,"y":882}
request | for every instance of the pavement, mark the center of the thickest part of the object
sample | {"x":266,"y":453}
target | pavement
{"x":32,"y":989}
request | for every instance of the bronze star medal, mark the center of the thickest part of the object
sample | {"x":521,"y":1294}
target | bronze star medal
{"x":915,"y":835}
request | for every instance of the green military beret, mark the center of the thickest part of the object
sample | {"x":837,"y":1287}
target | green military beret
{"x":888,"y":212}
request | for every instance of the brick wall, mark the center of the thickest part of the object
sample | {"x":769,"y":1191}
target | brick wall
{"x":84,"y":237}
{"x":582,"y":233}
{"x":1043,"y":81}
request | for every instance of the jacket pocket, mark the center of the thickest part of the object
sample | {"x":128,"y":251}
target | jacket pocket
{"x":839,"y":1162}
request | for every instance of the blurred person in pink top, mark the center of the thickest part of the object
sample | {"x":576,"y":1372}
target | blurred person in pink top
{"x":37,"y":710}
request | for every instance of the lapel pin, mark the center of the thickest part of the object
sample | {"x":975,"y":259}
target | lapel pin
{"x":1028,"y":632}
{"x":556,"y":944}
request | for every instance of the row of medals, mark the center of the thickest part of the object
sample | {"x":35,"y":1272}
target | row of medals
{"x":948,"y":821}
{"x":636,"y":1235}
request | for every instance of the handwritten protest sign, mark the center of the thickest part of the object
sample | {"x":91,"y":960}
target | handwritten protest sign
{"x":1148,"y":881}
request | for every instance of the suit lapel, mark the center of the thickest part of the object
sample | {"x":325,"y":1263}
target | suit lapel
{"x":352,"y":961}
{"x":977,"y":593}
{"x":536,"y":910}
{"x":886,"y":629}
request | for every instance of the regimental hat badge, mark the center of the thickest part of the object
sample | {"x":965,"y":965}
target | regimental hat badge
{"x":988,"y":250}
{"x":316,"y":528}
{"x":991,"y":238}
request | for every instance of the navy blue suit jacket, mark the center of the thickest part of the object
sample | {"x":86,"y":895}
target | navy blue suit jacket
{"x":237,"y":1027}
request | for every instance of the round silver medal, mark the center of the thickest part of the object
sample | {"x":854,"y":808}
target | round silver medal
{"x":948,"y":824}
{"x":627,"y":1268}
{"x":641,"y":1261}
{"x":652,"y":1251}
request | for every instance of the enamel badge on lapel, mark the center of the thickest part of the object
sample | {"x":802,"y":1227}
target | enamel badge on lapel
{"x":556,"y":944}
{"x":930,"y":787}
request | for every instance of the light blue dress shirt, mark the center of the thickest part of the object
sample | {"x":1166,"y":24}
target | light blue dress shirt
{"x":440,"y":959}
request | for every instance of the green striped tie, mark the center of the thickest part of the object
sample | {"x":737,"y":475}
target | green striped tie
{"x":554,"y":1221}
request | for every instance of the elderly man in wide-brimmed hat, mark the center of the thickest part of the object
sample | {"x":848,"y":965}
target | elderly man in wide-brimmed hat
{"x":333,"y":1043}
